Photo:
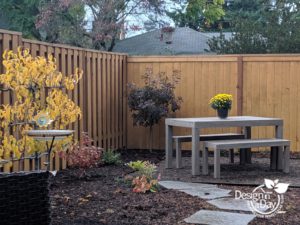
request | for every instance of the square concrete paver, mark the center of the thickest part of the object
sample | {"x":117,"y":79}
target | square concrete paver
{"x":179,"y":185}
{"x":205,"y":191}
{"x":231,"y":204}
{"x":219,"y":218}
{"x":208,"y":193}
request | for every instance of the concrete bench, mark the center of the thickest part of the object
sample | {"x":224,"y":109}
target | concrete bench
{"x":217,"y":146}
{"x":206,"y":137}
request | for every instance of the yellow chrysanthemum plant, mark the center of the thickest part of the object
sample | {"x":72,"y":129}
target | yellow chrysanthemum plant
{"x":38,"y":90}
{"x":222,"y":103}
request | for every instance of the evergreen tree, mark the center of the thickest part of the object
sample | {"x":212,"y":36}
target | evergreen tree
{"x":20,"y":16}
{"x":265,"y":26}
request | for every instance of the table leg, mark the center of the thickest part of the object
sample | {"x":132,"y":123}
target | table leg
{"x":195,"y":152}
{"x":245,"y":153}
{"x":279,"y":134}
{"x":273,"y":158}
{"x":248,"y":150}
{"x":169,"y":134}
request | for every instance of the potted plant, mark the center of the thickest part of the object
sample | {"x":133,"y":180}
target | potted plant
{"x":154,"y":101}
{"x":222,"y":103}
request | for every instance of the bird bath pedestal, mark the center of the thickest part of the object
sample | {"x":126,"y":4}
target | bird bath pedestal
{"x":47,"y":136}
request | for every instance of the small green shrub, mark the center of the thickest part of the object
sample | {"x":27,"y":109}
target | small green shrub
{"x":136,"y":165}
{"x":144,"y":168}
{"x":144,"y":182}
{"x":110,"y":157}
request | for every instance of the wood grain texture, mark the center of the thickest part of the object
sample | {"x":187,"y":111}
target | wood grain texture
{"x":100,"y":94}
{"x":267,"y":85}
{"x":262,"y":85}
{"x":201,"y":78}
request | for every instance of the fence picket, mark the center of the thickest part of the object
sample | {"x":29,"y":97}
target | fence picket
{"x":101,"y":94}
{"x":93,"y":94}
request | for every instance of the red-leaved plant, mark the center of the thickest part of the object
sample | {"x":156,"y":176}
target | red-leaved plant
{"x":143,"y":184}
{"x":84,"y":155}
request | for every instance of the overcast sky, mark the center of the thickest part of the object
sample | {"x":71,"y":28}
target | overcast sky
{"x":139,"y":20}
{"x":170,"y":6}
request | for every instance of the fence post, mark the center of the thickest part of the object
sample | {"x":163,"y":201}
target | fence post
{"x":124,"y":101}
{"x":240,"y":83}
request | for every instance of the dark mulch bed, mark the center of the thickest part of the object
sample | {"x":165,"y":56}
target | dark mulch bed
{"x":102,"y":197}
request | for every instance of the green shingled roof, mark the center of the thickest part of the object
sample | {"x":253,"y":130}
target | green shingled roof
{"x":185,"y":41}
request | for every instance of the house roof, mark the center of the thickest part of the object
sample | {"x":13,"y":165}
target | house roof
{"x":185,"y":41}
{"x":227,"y":35}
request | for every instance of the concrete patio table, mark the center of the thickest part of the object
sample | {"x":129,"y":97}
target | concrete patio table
{"x":196,"y":124}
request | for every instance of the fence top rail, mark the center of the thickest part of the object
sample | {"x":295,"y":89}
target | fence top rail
{"x":29,"y":41}
{"x":272,"y":58}
{"x":10,"y":32}
{"x":182,"y":58}
{"x":71,"y":47}
{"x":216,"y":58}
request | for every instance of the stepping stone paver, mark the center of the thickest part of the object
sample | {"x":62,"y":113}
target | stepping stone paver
{"x":232,"y":204}
{"x":208,"y":193}
{"x":219,"y":218}
{"x":179,"y":185}
{"x":205,"y":191}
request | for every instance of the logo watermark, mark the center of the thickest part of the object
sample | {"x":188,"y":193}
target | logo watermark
{"x":266,"y":200}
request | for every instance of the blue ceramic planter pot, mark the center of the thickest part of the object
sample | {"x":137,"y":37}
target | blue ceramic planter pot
{"x":222,"y":113}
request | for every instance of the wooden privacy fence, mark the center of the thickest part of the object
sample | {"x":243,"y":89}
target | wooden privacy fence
{"x":262,"y":85}
{"x":100,"y":94}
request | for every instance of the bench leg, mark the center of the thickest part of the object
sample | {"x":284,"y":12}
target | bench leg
{"x":242,"y":156}
{"x":280,"y":158}
{"x":205,"y":161}
{"x":279,"y":134}
{"x":231,"y":155}
{"x":273,"y":158}
{"x":178,"y":154}
{"x":217,"y":163}
{"x":248,"y":155}
{"x":286,"y":159}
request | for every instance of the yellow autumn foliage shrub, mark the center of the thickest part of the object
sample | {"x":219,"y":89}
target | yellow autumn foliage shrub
{"x":30,"y":79}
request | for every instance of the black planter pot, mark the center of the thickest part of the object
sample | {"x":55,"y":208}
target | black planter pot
{"x":222,"y":113}
{"x":24,"y":199}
